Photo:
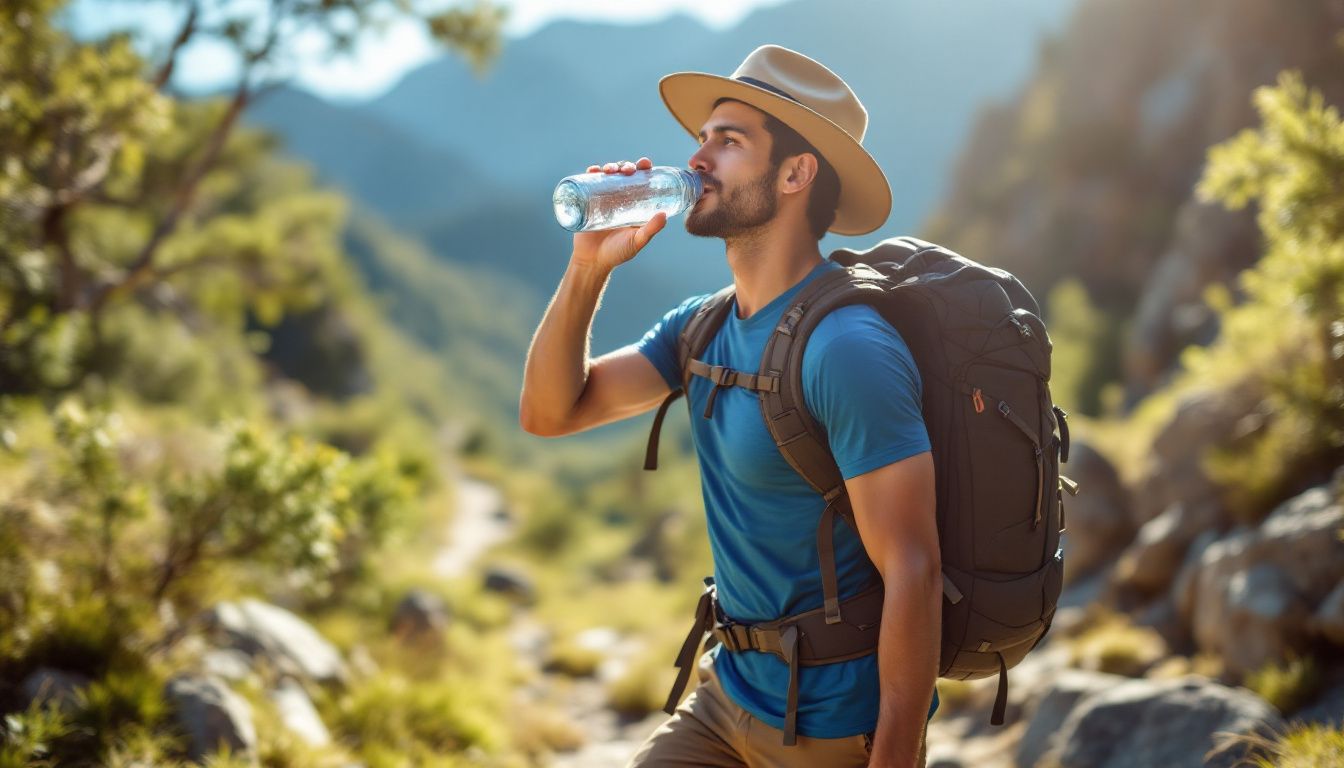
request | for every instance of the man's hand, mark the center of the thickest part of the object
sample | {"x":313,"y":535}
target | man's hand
{"x":607,"y":249}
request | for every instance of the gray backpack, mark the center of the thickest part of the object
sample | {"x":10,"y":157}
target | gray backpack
{"x":998,"y":440}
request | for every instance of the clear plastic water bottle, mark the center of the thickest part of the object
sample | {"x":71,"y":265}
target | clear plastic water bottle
{"x":590,"y":201}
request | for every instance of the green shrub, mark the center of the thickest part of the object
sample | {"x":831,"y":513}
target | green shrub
{"x":1288,"y":686}
{"x":392,"y":712}
{"x":1086,"y":342}
{"x":1115,"y":646}
{"x":1286,"y":338}
{"x":1313,"y":745}
{"x":26,"y":737}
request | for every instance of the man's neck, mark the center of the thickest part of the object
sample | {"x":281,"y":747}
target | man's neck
{"x":766,"y":263}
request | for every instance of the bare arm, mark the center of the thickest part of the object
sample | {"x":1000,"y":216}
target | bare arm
{"x":563,"y":390}
{"x":894,"y":509}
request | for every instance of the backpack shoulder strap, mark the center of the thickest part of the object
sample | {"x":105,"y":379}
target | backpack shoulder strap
{"x":801,"y":439}
{"x":699,"y":330}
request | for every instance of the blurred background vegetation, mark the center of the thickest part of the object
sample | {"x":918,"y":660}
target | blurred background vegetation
{"x":260,"y":344}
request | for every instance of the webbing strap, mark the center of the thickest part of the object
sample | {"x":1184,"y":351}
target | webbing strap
{"x":704,"y":620}
{"x":1000,"y":700}
{"x":789,"y":641}
{"x":722,"y":376}
{"x":651,"y":452}
{"x":727,"y":377}
{"x":1017,"y":421}
{"x":830,"y":589}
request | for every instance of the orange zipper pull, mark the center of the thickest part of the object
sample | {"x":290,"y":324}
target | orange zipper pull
{"x":979,"y":401}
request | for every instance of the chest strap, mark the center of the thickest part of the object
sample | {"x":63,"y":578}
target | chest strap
{"x":802,"y":640}
{"x":721,"y":376}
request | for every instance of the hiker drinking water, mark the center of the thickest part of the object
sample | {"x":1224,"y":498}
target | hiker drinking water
{"x":781,"y":155}
{"x":823,"y":392}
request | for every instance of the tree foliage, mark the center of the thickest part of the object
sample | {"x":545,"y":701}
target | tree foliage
{"x":1287,"y":337}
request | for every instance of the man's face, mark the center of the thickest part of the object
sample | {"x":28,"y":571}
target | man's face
{"x":734,"y":157}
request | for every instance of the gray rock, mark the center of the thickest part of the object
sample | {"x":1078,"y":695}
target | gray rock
{"x":298,"y":714}
{"x":227,"y":664}
{"x":1175,"y":470}
{"x":1146,"y":723}
{"x":1328,"y":620}
{"x":45,"y":684}
{"x":212,"y":716}
{"x":1150,"y":564}
{"x":1256,"y":590}
{"x":1049,"y":714}
{"x":1183,"y":587}
{"x":1097,"y":521}
{"x":511,"y":582}
{"x":1209,"y":245}
{"x":284,"y":640}
{"x":420,"y":616}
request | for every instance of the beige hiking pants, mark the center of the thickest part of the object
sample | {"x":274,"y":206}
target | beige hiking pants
{"x":709,"y":730}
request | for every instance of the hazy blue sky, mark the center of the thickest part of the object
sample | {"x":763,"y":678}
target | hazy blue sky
{"x":381,"y":60}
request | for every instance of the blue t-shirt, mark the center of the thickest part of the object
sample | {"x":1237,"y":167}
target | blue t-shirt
{"x":860,"y":382}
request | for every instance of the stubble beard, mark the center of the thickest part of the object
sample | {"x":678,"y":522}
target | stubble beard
{"x":739,"y":211}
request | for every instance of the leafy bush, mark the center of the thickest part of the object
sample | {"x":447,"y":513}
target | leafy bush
{"x":1289,"y":685}
{"x":1114,"y":645}
{"x":1287,"y":337}
{"x":26,"y":737}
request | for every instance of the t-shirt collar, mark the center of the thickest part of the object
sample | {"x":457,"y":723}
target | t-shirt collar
{"x":776,"y":305}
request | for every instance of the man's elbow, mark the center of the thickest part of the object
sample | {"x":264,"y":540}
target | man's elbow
{"x":535,"y":424}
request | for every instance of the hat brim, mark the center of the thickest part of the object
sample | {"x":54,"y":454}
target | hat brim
{"x":865,"y":195}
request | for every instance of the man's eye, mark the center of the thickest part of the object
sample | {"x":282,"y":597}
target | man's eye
{"x":729,"y":140}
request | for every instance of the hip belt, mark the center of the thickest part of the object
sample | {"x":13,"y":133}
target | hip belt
{"x":802,"y":640}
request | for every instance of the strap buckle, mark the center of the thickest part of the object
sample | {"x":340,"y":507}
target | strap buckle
{"x":722,"y":376}
{"x":735,"y":637}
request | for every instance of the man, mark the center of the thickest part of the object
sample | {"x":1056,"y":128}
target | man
{"x":781,"y":154}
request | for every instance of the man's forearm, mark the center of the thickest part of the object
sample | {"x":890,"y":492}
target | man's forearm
{"x":557,"y":361}
{"x":907,"y":652}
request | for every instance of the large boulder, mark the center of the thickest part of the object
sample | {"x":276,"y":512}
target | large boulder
{"x":1174,"y":472}
{"x":1146,"y":723}
{"x":1044,"y":721}
{"x":285,"y":641}
{"x":1256,"y":590}
{"x":1097,"y":521}
{"x":213,"y":717}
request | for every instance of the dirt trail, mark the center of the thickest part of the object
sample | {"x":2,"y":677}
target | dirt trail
{"x":482,"y":521}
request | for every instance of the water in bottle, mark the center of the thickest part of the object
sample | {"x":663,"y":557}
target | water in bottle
{"x":590,"y":201}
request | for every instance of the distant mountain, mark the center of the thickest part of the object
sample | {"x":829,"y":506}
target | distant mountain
{"x":466,"y":163}
{"x":404,"y":179}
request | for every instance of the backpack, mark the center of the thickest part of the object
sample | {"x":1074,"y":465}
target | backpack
{"x":997,"y":438}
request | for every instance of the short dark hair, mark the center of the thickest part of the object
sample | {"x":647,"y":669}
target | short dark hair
{"x":786,"y":142}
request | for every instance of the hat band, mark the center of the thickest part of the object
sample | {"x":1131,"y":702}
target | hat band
{"x":768,"y":87}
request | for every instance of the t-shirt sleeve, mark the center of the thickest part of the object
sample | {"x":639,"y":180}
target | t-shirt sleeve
{"x":659,"y":344}
{"x":864,"y":388}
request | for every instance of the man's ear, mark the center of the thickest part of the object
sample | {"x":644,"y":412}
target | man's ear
{"x":798,"y":172}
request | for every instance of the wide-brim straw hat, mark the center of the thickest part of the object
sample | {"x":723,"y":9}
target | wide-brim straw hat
{"x":810,"y":99}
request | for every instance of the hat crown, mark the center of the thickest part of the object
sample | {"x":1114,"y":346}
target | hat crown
{"x":808,"y":82}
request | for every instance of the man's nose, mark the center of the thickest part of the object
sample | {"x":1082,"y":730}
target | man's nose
{"x":698,"y":161}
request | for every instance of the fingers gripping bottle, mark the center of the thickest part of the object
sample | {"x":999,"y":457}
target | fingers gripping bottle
{"x":590,"y":201}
